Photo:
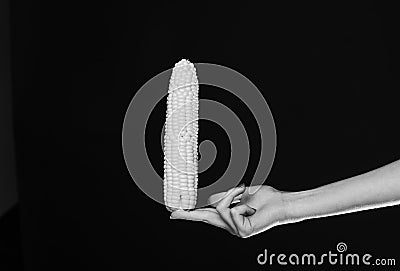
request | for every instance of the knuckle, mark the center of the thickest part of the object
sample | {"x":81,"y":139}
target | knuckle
{"x":234,"y":211}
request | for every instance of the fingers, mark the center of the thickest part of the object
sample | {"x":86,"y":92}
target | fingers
{"x":195,"y":215}
{"x":239,"y":215}
{"x":223,"y":206}
{"x":214,"y":199}
{"x":207,"y":215}
{"x":222,"y":215}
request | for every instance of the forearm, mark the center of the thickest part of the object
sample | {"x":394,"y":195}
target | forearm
{"x":377,"y":188}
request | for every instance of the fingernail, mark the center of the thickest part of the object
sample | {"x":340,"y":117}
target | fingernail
{"x":241,"y":186}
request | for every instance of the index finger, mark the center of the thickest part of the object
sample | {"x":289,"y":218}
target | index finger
{"x":208,"y":215}
{"x":214,"y":199}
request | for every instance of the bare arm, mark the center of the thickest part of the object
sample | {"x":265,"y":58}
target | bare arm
{"x":268,"y":207}
{"x":374,"y":189}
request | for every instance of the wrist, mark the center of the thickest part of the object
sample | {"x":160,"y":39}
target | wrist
{"x":288,"y":205}
{"x":295,"y":204}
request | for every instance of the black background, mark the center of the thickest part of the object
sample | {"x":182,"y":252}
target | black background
{"x":329,"y":73}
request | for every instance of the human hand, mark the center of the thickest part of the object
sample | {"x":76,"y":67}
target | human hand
{"x":254,"y":213}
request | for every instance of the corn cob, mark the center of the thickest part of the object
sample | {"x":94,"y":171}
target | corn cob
{"x":180,"y":138}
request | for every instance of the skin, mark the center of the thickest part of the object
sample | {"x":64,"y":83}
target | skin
{"x":260,"y":208}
